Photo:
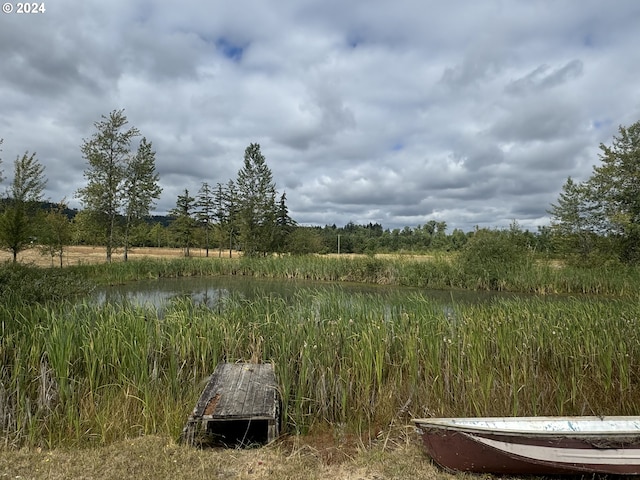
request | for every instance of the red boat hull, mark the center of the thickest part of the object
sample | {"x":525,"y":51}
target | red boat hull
{"x":517,"y":454}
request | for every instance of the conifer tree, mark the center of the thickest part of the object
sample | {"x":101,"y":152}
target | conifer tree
{"x":256,"y":203}
{"x":284,"y":224}
{"x":184,"y":223}
{"x":606,"y":207}
{"x":205,"y":212}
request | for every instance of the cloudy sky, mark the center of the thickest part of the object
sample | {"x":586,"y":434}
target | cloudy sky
{"x":389,"y":111}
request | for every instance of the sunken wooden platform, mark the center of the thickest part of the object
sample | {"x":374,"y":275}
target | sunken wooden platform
{"x":239,"y":406}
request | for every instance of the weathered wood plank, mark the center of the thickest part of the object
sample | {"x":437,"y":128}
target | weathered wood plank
{"x":237,"y":392}
{"x":246,"y":390}
{"x":208,"y":392}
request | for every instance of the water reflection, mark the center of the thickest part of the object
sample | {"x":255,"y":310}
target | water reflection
{"x":212,"y":291}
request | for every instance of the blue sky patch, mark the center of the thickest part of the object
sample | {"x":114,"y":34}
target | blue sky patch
{"x":228,"y":49}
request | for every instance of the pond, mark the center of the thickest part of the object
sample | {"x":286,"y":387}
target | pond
{"x":211,"y":291}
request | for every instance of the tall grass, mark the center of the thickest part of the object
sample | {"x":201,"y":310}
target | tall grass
{"x":81,"y":374}
{"x":439,"y":272}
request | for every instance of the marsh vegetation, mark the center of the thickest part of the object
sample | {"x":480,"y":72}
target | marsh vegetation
{"x":79,"y":373}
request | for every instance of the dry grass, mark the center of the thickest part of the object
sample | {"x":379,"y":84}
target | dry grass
{"x":392,"y":256}
{"x":157,"y":458}
{"x":82,"y":254}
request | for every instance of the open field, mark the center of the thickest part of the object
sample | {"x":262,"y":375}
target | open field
{"x":83,"y":254}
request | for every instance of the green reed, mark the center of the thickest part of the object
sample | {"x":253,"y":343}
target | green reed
{"x":443,"y":271}
{"x":83,"y":374}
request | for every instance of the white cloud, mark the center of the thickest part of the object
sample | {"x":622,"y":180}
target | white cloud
{"x":390,"y":112}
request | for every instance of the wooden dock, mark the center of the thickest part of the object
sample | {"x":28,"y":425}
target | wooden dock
{"x":240,"y":405}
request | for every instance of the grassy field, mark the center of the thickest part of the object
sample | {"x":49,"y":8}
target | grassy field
{"x":116,"y":383}
{"x":83,"y":255}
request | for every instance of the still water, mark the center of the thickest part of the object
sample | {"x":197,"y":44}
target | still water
{"x":211,"y":291}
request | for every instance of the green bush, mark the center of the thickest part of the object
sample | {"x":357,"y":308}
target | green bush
{"x":28,"y":284}
{"x":491,"y":257}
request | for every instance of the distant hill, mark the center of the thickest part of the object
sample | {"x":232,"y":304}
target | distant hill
{"x":163,"y":220}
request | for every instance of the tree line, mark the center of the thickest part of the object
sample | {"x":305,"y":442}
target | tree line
{"x":243,"y":214}
{"x":598,"y":220}
{"x":594,"y":221}
{"x":122,"y":186}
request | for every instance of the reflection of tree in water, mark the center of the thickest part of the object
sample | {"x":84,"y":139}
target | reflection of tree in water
{"x":216,"y":292}
{"x":212,"y":298}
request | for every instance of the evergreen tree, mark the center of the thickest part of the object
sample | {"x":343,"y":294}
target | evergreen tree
{"x":1,"y":177}
{"x":284,"y":224}
{"x":606,"y":207}
{"x":226,"y":201}
{"x":220,"y":216}
{"x":256,"y":203}
{"x":205,"y":211}
{"x":572,"y":220}
{"x":184,"y":223}
{"x":615,"y":189}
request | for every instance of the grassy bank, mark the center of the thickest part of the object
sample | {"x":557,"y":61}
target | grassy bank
{"x":438,"y":272}
{"x":84,"y":375}
{"x":159,"y":458}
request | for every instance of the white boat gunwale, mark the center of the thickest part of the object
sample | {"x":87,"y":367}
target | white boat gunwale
{"x":516,"y":425}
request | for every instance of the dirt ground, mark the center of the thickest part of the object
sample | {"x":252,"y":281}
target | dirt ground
{"x":76,"y":255}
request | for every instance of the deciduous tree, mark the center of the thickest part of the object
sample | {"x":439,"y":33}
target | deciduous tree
{"x":108,"y":154}
{"x":56,"y":233}
{"x":18,"y":223}
{"x":141,"y":188}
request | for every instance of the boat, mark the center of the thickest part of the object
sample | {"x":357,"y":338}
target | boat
{"x":534,"y":445}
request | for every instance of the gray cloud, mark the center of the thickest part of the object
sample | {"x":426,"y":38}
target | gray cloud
{"x":543,"y":118}
{"x":541,"y":79}
{"x":397,"y":113}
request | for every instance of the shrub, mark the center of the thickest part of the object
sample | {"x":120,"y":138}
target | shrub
{"x":491,"y":256}
{"x":29,"y":284}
